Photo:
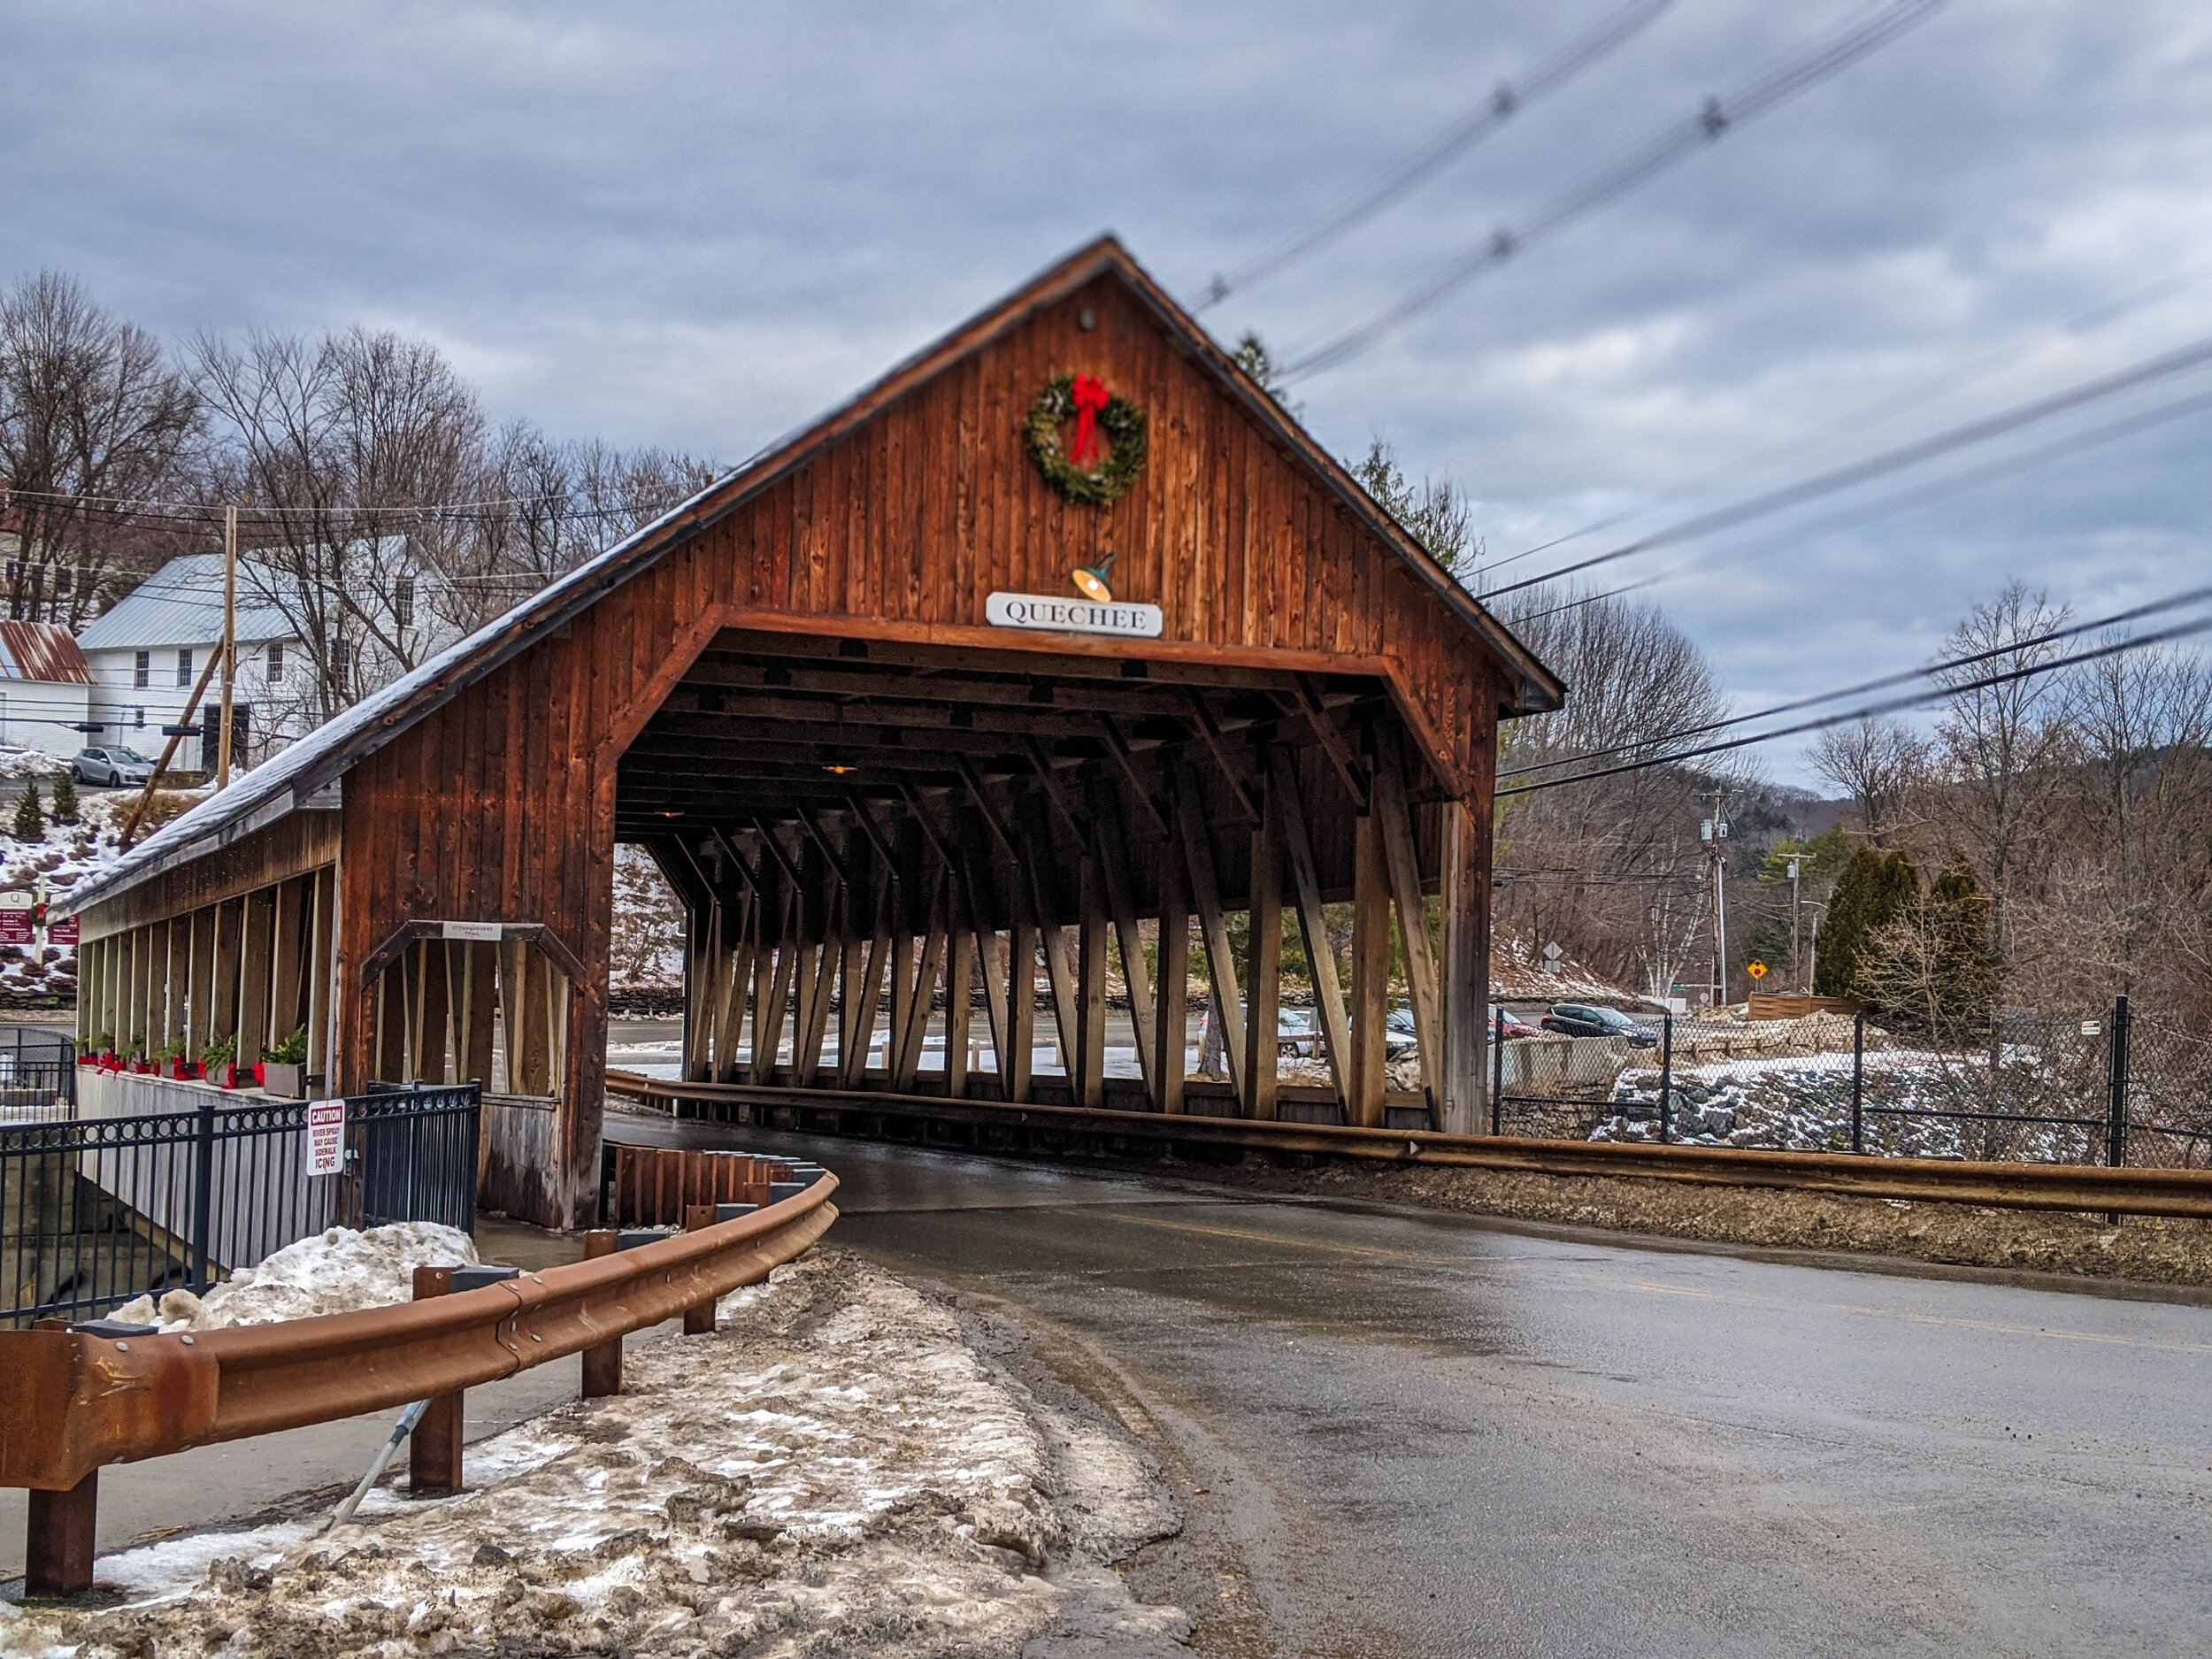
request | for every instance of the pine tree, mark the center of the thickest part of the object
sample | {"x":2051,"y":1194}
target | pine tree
{"x":1965,"y":955}
{"x":1873,"y":891}
{"x":65,"y":799}
{"x":30,"y":815}
{"x":1842,"y":932}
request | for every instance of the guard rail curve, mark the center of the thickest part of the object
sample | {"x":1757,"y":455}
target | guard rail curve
{"x":2129,"y":1191}
{"x":72,"y":1401}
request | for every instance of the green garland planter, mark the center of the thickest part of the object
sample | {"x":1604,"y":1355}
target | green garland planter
{"x":1121,"y":421}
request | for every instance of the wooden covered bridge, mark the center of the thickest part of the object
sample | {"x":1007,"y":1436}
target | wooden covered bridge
{"x":1060,"y":638}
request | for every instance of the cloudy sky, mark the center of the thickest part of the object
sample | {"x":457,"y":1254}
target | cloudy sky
{"x":697,"y":224}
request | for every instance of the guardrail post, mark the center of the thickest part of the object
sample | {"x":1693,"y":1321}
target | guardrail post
{"x":1858,"y":1082}
{"x":202,"y":1190}
{"x":433,"y":1456}
{"x":1497,"y":1074}
{"x":58,"y":1540}
{"x":699,"y":1318}
{"x":603,"y":1364}
{"x":2116,"y":1131}
{"x":1666,"y":1077}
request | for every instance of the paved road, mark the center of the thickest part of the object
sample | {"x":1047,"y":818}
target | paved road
{"x":1424,"y":1434}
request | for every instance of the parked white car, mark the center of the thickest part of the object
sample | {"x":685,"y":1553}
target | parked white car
{"x":116,"y":767}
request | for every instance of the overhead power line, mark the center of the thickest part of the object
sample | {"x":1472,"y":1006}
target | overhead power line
{"x":200,"y":511}
{"x":2117,"y":648}
{"x":1917,"y":496}
{"x":1903,"y":677}
{"x":1507,"y":101}
{"x":2165,"y":366}
{"x":1919,"y":395}
{"x":1675,"y":144}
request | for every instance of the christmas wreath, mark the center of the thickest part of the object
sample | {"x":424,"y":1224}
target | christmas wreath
{"x":1081,"y":473}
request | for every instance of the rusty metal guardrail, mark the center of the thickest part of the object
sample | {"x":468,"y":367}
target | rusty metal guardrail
{"x":2143,"y":1192}
{"x":74,"y":1401}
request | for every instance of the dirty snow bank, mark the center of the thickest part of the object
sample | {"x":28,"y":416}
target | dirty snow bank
{"x":335,"y":1271}
{"x":838,"y":1471}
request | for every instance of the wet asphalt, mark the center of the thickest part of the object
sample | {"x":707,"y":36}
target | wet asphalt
{"x":1402,"y":1433}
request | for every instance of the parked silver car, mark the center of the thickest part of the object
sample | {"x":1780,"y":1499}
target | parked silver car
{"x":116,"y":767}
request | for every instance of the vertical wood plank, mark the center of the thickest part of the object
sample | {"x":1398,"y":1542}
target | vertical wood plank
{"x":1171,"y":1024}
{"x":1090,"y":1054}
{"x":1370,"y":971}
{"x":1213,"y":929}
{"x":1264,"y":955}
{"x":1466,"y":973}
{"x":1413,"y":932}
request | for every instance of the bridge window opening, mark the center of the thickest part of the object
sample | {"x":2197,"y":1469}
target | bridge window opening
{"x":459,"y":1011}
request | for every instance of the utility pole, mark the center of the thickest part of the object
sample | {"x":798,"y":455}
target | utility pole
{"x":230,"y":639}
{"x":1794,"y":978}
{"x":1714,"y":833}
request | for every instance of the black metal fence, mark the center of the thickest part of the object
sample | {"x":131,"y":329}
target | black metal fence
{"x":38,"y":1074}
{"x":94,"y":1211}
{"x":2117,"y":1086}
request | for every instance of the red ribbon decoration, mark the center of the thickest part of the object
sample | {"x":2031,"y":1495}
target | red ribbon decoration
{"x":1091,"y":398}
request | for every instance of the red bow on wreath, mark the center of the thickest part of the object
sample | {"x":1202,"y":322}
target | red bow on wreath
{"x":1091,"y":398}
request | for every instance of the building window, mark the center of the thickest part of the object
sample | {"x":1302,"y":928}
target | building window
{"x":276,"y":662}
{"x":142,"y":671}
{"x":184,"y":666}
{"x":403,"y":602}
{"x":141,"y":717}
{"x":65,"y":579}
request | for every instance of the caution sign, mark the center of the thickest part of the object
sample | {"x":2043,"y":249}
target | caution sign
{"x":326,"y":1137}
{"x":1758,"y":969}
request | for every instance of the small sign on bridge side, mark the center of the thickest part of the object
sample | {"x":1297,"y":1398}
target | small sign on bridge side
{"x":326,"y":1137}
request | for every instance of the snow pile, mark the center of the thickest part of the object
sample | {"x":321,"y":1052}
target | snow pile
{"x":337,"y":1271}
{"x":838,"y":1471}
{"x":16,"y":764}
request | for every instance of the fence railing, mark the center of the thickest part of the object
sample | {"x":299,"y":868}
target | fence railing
{"x":2115,"y":1088}
{"x":38,"y":1075}
{"x":94,"y":1211}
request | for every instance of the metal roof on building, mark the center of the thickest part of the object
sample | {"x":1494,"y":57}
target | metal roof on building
{"x":41,"y":650}
{"x":181,"y":603}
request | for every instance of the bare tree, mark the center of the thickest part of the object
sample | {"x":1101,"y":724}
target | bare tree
{"x":1996,"y":744}
{"x":92,"y":418}
{"x":2123,"y":900}
{"x":350,"y":450}
{"x":1876,"y":762}
{"x":1609,"y":869}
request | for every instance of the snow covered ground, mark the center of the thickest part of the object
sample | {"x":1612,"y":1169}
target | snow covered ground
{"x":336,"y":1271}
{"x":838,"y":1471}
{"x":1803,"y":1103}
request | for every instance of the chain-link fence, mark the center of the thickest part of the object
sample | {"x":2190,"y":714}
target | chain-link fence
{"x":2116,"y":1086}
